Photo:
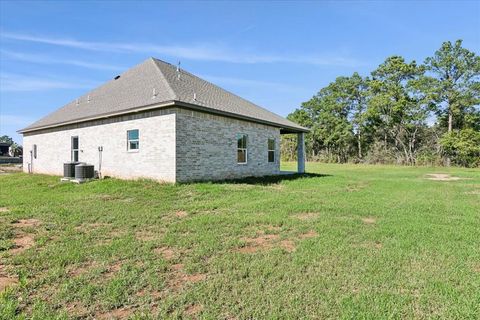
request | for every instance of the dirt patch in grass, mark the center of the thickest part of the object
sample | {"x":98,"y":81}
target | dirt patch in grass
{"x":112,"y":270}
{"x":146,"y":235}
{"x":181,"y":214}
{"x":356,"y":187}
{"x":308,"y":235}
{"x":75,"y":271}
{"x":26,"y":223}
{"x":193,"y":310}
{"x":477,"y":268}
{"x":369,"y":220}
{"x":307,"y":216}
{"x":477,"y":192}
{"x":441,"y":177}
{"x":120,"y":313}
{"x":6,"y":280}
{"x":88,"y":227}
{"x":22,"y":243}
{"x":178,"y":278}
{"x":288,"y":245}
{"x":4,"y":209}
{"x":165,"y":252}
{"x":263,"y":241}
{"x":76,"y":309}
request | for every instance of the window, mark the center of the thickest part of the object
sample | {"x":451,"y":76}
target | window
{"x":75,"y":149}
{"x":133,"y":141}
{"x":271,"y":150}
{"x":242,"y":148}
{"x":35,"y":151}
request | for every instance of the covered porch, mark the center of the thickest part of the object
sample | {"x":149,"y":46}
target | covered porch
{"x":300,"y":134}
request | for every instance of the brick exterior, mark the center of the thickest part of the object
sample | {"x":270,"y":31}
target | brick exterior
{"x":176,"y":145}
{"x":207,"y":147}
{"x":155,"y":158}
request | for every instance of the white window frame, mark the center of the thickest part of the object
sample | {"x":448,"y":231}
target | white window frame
{"x":133,"y":140}
{"x":271,"y":150}
{"x":242,"y":149}
{"x":75,"y":150}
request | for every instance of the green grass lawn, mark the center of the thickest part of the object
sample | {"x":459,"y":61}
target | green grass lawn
{"x":347,"y":241}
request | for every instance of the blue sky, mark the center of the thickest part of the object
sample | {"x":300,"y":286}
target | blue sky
{"x":276,"y":54}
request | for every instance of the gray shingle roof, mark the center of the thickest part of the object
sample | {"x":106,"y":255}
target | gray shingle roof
{"x":136,"y":88}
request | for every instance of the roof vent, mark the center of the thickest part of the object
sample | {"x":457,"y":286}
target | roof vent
{"x":116,"y":78}
{"x":88,"y":98}
{"x":154,"y":93}
{"x":194,"y":96}
{"x":178,"y":70}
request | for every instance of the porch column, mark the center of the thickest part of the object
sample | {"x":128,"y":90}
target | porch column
{"x":301,"y":152}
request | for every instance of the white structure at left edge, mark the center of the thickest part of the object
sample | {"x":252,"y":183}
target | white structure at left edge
{"x":160,"y":122}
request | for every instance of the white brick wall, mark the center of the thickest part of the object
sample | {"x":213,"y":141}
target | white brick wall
{"x":155,"y":158}
{"x":175,"y":145}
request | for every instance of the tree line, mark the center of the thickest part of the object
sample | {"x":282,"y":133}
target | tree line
{"x":403,"y":113}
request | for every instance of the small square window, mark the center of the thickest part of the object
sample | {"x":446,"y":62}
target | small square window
{"x":133,"y":140}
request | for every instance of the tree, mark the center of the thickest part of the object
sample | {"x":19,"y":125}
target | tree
{"x":463,"y":146}
{"x":457,"y":90}
{"x":395,"y":105}
{"x":6,"y":139}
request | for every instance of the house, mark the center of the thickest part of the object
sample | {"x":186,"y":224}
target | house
{"x":160,"y":122}
{"x":5,"y":149}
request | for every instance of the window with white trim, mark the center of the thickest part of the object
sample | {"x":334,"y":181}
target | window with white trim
{"x":242,"y":151}
{"x":133,"y":140}
{"x":75,"y":149}
{"x":271,"y":150}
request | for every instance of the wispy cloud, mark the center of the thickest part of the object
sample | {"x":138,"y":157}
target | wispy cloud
{"x":42,"y":59}
{"x":239,"y":82}
{"x":202,"y":51}
{"x":17,"y":82}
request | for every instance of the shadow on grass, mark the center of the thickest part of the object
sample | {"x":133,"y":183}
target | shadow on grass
{"x":275,"y":179}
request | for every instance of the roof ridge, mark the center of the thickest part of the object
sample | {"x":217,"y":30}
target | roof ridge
{"x":218,"y":87}
{"x":169,"y":87}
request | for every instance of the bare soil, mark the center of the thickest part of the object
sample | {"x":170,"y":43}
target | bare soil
{"x":369,"y":220}
{"x":261,"y":242}
{"x":179,"y":278}
{"x":181,"y":214}
{"x":4,"y":209}
{"x":22,"y":243}
{"x":441,"y":177}
{"x":308,"y":235}
{"x":165,"y":252}
{"x":6,"y":280}
{"x":193,"y":310}
{"x":307,"y":216}
{"x":26,"y":223}
{"x":121,"y":313}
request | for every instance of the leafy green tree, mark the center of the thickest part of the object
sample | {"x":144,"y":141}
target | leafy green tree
{"x":463,"y":146}
{"x":6,"y":139}
{"x":456,"y":88}
{"x":395,"y":106}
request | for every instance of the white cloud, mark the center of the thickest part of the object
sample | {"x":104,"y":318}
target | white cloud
{"x":42,"y":59}
{"x":283,"y":87}
{"x":16,"y":82}
{"x":203,"y":52}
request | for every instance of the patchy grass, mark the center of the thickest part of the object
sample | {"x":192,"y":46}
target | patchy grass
{"x":345,"y":241}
